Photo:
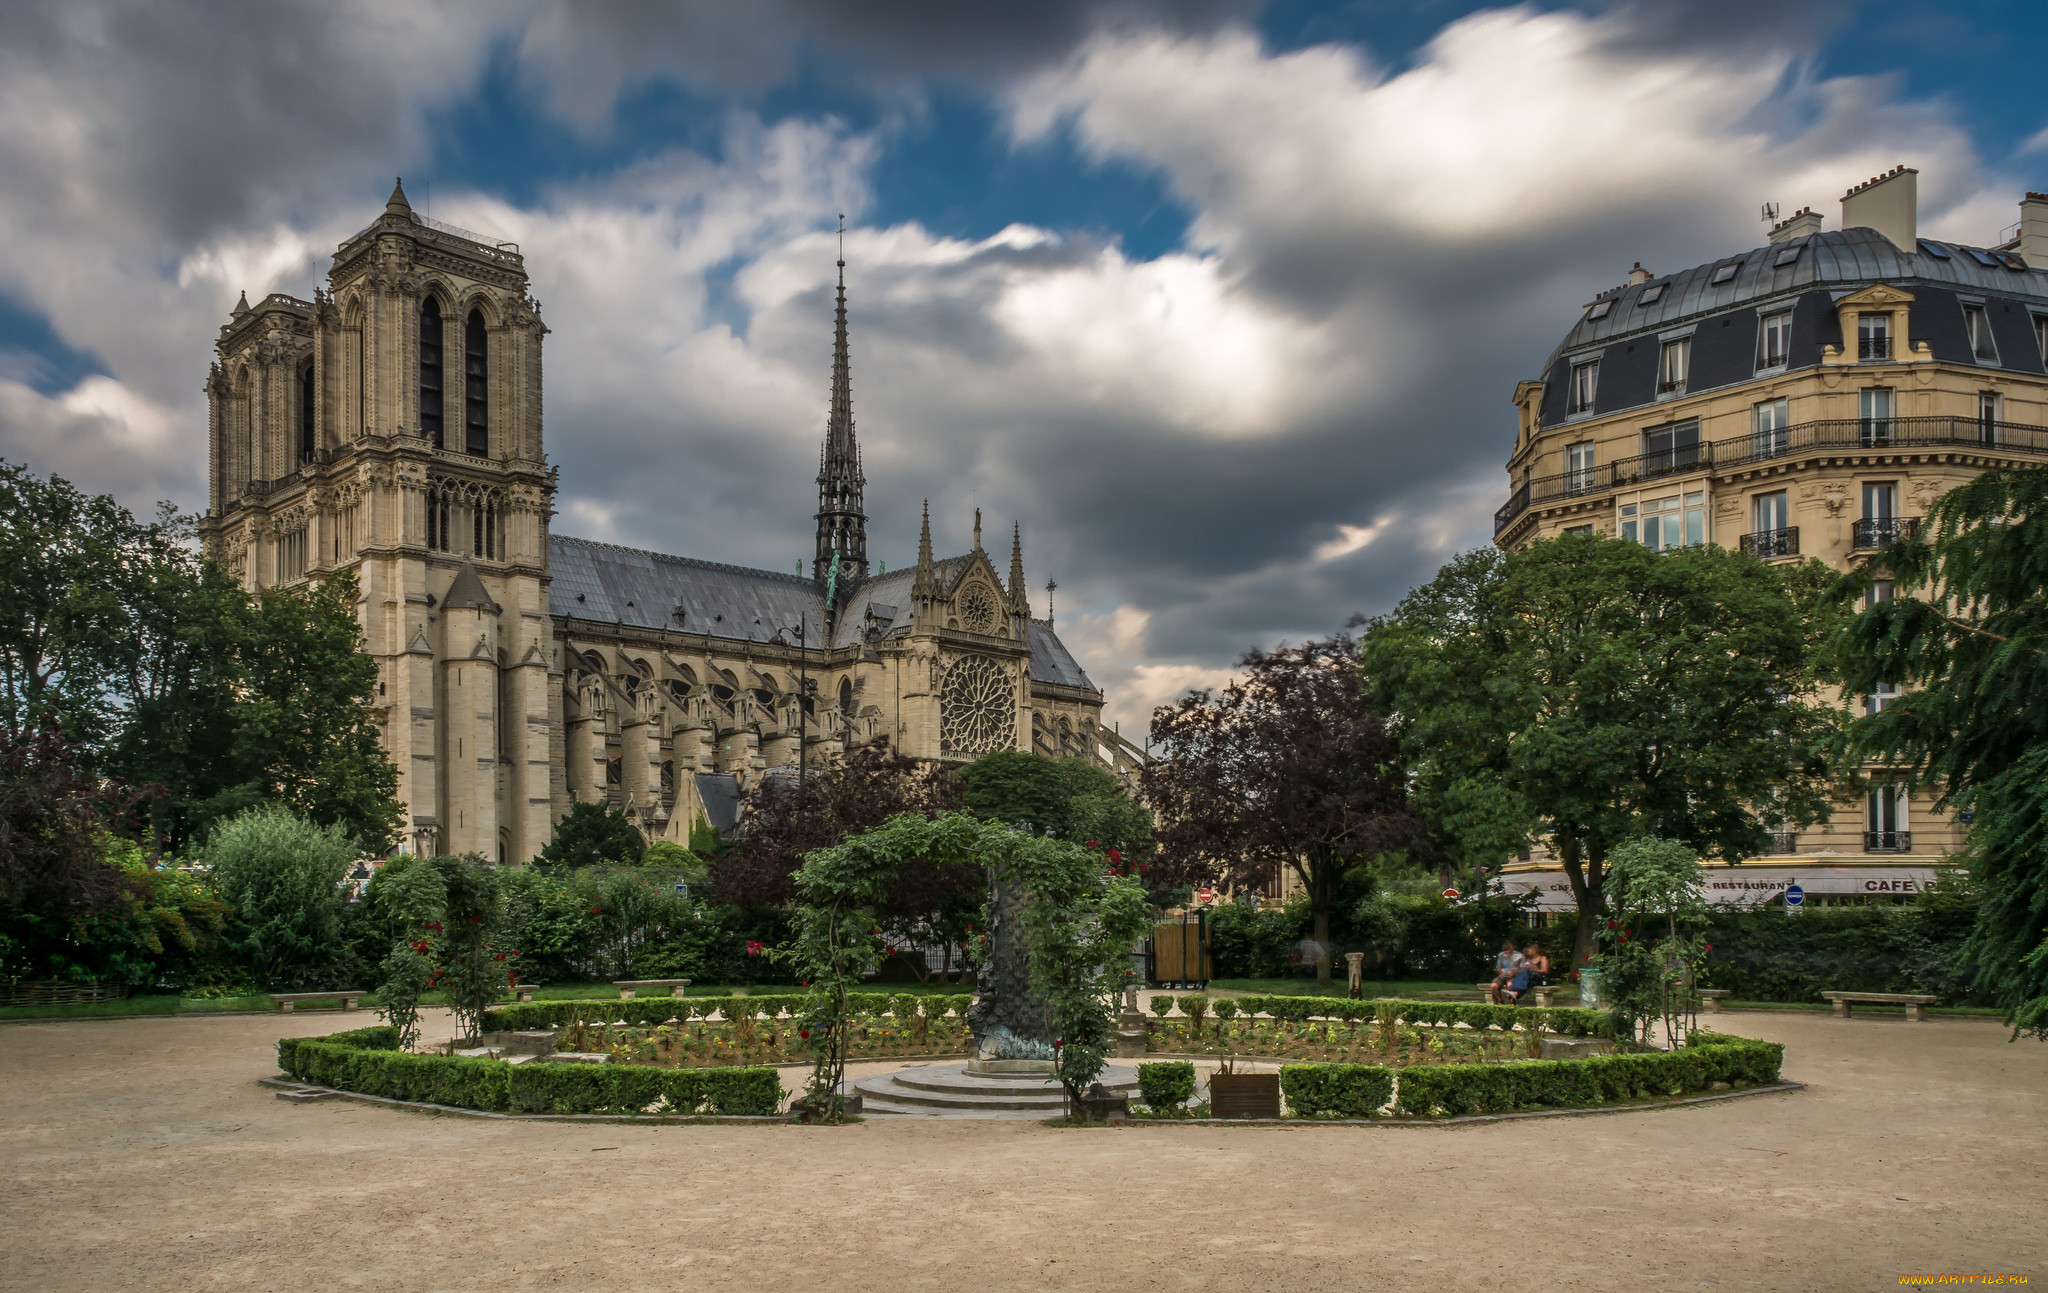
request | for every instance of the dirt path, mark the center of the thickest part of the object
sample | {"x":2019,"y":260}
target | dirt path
{"x":140,"y":1155}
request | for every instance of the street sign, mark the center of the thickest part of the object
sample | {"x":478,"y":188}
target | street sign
{"x":1205,"y":896}
{"x":683,"y":888}
{"x":1450,"y":895}
{"x":1794,"y":895}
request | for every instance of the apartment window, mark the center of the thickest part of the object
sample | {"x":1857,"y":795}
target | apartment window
{"x":1879,"y":592}
{"x":1771,"y":533}
{"x":1873,"y":336}
{"x":1772,"y":420}
{"x":1672,"y":368}
{"x":1586,"y":530}
{"x":1978,"y":325}
{"x":1886,"y":693}
{"x":1886,"y":828}
{"x":1987,"y":417}
{"x":1578,"y":468}
{"x":1585,"y":386}
{"x":1874,"y":406}
{"x":1880,"y":500}
{"x":1772,"y":512}
{"x":1662,"y":524}
{"x":1671,"y":448}
{"x":1774,"y":344}
{"x":2041,"y":335}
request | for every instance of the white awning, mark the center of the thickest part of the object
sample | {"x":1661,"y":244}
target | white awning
{"x":1751,"y":884}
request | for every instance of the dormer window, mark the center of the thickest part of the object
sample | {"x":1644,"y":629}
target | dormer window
{"x":1651,"y":295}
{"x":1787,"y":256}
{"x":1600,"y":309}
{"x":1585,"y":385}
{"x":1723,"y":273}
{"x":1977,"y":325}
{"x":1774,"y":340}
{"x":1672,"y":366}
{"x":1984,"y":258}
{"x":1873,"y":337}
{"x":1934,"y":249}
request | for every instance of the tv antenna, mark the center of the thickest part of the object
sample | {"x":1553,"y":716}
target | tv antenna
{"x":1770,"y":213}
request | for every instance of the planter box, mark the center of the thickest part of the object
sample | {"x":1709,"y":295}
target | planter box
{"x":1244,"y":1095}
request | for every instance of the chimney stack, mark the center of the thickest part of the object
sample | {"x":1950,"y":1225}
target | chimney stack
{"x":1797,"y":225}
{"x":2033,"y":240}
{"x":1888,"y":203}
{"x":1639,"y":275}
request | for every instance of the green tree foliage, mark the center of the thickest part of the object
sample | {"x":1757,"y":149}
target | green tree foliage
{"x":595,"y":834}
{"x":281,"y":875}
{"x":1919,"y":946}
{"x":1652,"y":953}
{"x":1289,"y":766}
{"x":1966,"y":628}
{"x":1066,"y":798}
{"x":669,"y":856}
{"x":1586,"y":690}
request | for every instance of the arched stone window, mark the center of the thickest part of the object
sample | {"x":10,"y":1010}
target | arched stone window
{"x":846,"y":697}
{"x":475,"y":358}
{"x":307,"y":444}
{"x":430,"y":370}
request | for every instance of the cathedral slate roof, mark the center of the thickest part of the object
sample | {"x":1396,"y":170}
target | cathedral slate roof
{"x":609,"y":584}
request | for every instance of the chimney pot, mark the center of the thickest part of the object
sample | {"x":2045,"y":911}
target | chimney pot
{"x":1888,"y":204}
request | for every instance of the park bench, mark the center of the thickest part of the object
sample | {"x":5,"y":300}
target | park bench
{"x":1913,"y":1002}
{"x":525,"y":991}
{"x":627,"y":987}
{"x":286,"y":1000}
{"x":1539,"y":996}
{"x":1710,"y":999}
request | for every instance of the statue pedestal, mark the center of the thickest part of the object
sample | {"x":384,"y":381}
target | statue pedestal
{"x":1013,"y":1068}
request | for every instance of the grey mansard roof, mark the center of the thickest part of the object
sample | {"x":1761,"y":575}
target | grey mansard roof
{"x":1830,"y":264}
{"x":609,"y":584}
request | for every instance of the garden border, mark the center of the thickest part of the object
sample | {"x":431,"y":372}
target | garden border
{"x":288,"y":1085}
{"x":1776,"y":1088}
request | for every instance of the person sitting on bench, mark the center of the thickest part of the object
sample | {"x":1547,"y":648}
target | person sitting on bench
{"x":1533,"y":972}
{"x":1504,"y":967}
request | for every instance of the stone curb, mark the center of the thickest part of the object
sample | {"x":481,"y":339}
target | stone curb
{"x":1776,"y":1088}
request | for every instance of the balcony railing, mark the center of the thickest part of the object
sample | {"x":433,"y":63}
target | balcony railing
{"x":1868,"y":348}
{"x":1772,"y":543}
{"x":1887,"y":841}
{"x":1783,"y":843}
{"x":1882,"y":532}
{"x":2018,"y":439}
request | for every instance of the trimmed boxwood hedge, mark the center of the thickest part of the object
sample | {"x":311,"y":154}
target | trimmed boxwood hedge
{"x":368,"y":1062}
{"x":647,"y":1011}
{"x":1456,"y":1090}
{"x":1166,"y":1084}
{"x":1569,"y":1021}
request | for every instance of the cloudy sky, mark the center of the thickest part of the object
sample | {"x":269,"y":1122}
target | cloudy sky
{"x":1224,"y":302}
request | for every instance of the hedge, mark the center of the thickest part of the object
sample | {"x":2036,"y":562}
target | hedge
{"x":1456,"y":1090}
{"x":1336,"y":1090}
{"x":648,"y":1011}
{"x":367,"y":1062}
{"x":1166,"y":1084}
{"x":1569,"y":1021}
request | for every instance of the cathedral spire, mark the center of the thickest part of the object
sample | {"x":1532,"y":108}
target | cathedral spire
{"x":926,"y":585}
{"x":1020,"y":600}
{"x":842,"y":525}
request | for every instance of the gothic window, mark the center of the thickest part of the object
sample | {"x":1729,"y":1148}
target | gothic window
{"x":978,"y":608}
{"x":306,"y":441}
{"x":430,"y":370}
{"x":846,"y":697}
{"x":977,"y":709}
{"x":476,"y":433}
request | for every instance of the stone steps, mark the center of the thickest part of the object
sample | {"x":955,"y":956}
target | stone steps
{"x":950,"y":1091}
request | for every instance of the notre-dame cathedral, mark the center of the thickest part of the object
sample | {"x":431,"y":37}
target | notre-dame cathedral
{"x":393,"y":424}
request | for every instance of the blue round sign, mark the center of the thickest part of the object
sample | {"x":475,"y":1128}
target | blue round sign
{"x":1794,"y":895}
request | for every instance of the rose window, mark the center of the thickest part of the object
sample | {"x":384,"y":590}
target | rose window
{"x":977,"y":708}
{"x":978,"y":609}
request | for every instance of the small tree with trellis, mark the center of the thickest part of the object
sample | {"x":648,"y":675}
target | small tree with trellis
{"x":1649,"y":964}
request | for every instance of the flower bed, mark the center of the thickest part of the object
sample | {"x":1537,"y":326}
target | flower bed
{"x":760,"y":1041}
{"x":656,"y":1010}
{"x":1422,"y":1091}
{"x":1569,"y":1021}
{"x":368,"y":1062}
{"x":1337,"y":1041}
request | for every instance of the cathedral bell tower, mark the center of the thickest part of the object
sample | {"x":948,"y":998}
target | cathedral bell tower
{"x":842,"y":524}
{"x":392,"y":426}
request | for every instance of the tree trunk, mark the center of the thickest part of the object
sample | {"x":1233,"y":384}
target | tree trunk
{"x":1321,"y":876}
{"x":1586,"y":894}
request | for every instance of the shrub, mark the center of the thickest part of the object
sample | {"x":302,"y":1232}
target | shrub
{"x":1166,"y":1084}
{"x":1566,"y":1020}
{"x":1162,"y":1005}
{"x":1196,"y":1007}
{"x":1457,"y":1090}
{"x":1336,"y":1090}
{"x":282,"y":876}
{"x":1226,"y":1008}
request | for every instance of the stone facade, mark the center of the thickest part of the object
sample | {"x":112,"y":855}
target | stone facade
{"x":393,"y":424}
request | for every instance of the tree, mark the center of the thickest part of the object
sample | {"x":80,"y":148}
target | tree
{"x":281,"y":875}
{"x":1966,"y":627}
{"x":1653,"y":953}
{"x":1586,"y":690}
{"x":1291,"y":766}
{"x":594,"y":834}
{"x":1067,"y":798}
{"x":53,"y":823}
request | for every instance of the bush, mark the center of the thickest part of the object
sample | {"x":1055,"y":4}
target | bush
{"x":364,"y":1061}
{"x":1915,"y":947}
{"x":1459,"y":1090}
{"x":1167,"y":1084}
{"x":1336,"y":1090}
{"x":282,"y":877}
{"x":644,"y":1011}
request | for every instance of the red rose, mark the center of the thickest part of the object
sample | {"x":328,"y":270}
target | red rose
{"x":753,"y":948}
{"x":1710,"y":947}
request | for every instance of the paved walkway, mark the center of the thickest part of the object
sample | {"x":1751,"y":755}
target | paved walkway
{"x":141,"y":1155}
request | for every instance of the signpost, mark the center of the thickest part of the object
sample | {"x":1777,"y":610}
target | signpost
{"x":1794,"y":896}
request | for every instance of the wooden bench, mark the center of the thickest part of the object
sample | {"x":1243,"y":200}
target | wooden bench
{"x":1541,"y":992}
{"x":627,"y":987}
{"x":1710,"y":999}
{"x":525,"y":991}
{"x":286,"y":1000}
{"x":1914,"y":1003}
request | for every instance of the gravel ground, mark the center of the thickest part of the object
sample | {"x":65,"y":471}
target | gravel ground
{"x":141,"y":1154}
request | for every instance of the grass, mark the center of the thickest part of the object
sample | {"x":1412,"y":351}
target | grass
{"x":1823,"y":1007}
{"x":1406,"y":989}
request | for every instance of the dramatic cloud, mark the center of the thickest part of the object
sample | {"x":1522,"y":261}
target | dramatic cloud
{"x":1297,"y":414}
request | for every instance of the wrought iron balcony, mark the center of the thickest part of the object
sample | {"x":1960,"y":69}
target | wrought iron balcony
{"x":2018,"y":440}
{"x":1887,"y":841}
{"x":1772,"y":543}
{"x":1783,"y":843}
{"x":1882,"y":532}
{"x":1868,"y":348}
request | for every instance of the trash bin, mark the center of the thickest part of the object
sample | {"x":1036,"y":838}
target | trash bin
{"x":1589,"y":988}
